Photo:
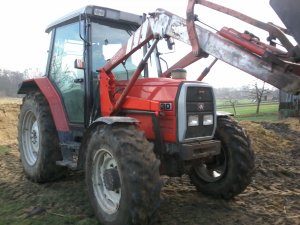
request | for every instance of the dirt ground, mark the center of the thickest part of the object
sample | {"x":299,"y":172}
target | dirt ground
{"x":272,"y":198}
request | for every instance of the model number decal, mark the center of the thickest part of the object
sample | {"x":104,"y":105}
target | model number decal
{"x":166,"y":106}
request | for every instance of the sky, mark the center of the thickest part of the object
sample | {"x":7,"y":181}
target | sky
{"x":24,"y":43}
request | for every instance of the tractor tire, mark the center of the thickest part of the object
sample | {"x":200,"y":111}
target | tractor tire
{"x":38,"y":140}
{"x":229,"y":173}
{"x":122,"y":175}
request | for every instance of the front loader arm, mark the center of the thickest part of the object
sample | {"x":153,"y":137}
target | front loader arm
{"x":111,"y":105}
{"x":241,"y":50}
{"x":273,"y":30}
{"x":262,"y":61}
{"x":270,"y":67}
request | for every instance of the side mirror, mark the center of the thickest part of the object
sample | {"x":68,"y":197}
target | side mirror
{"x":79,"y":64}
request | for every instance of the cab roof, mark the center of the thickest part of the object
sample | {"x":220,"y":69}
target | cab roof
{"x":97,"y":12}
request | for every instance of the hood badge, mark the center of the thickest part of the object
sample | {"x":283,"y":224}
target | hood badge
{"x":200,"y":106}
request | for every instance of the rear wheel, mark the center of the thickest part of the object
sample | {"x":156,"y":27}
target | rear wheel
{"x":230,"y":172}
{"x":38,"y":140}
{"x":122,"y":175}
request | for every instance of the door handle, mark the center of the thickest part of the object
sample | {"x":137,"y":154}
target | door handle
{"x":78,"y":80}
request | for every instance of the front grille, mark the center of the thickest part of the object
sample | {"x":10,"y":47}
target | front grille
{"x":196,"y":99}
{"x":199,"y":94}
{"x":199,"y":106}
{"x":199,"y":101}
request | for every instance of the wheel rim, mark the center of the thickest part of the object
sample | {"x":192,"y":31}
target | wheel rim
{"x":108,"y":200}
{"x":30,"y":138}
{"x":212,"y":170}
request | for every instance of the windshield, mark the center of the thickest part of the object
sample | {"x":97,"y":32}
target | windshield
{"x":106,"y":41}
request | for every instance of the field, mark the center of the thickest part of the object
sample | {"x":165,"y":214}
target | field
{"x":273,"y":197}
{"x":245,"y":110}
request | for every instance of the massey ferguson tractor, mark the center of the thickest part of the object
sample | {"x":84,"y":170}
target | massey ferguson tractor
{"x":107,"y":107}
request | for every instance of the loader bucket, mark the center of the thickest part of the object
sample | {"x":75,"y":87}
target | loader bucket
{"x":288,"y":12}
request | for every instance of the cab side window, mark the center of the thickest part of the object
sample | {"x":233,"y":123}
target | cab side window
{"x":67,"y":47}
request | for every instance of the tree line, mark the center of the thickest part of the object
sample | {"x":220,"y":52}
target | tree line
{"x":255,"y":92}
{"x":9,"y":82}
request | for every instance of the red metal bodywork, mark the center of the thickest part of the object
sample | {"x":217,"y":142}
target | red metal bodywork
{"x":149,"y":93}
{"x":248,"y":42}
{"x":140,"y":98}
{"x":53,"y":98}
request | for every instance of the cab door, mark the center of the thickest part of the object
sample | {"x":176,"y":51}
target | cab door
{"x":66,"y":48}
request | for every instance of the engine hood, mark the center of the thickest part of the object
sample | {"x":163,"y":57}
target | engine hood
{"x":157,"y":89}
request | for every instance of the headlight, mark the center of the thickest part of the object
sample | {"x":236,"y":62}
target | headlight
{"x":208,"y":120}
{"x":193,"y":120}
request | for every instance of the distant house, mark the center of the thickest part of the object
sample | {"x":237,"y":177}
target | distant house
{"x":289,"y":105}
{"x":270,"y":96}
{"x":273,"y":96}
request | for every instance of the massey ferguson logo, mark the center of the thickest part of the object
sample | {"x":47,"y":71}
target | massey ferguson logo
{"x":200,"y":106}
{"x":166,"y":106}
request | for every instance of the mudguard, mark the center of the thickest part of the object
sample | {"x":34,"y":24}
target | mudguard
{"x":44,"y":85}
{"x":224,"y":114}
{"x":101,"y":120}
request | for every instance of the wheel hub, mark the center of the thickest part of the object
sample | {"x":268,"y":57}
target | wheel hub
{"x":213,"y":169}
{"x":30,"y":138}
{"x":111,"y":179}
{"x":106,"y":181}
{"x":34,"y":134}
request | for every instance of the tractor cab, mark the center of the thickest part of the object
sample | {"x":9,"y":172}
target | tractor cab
{"x":82,"y":42}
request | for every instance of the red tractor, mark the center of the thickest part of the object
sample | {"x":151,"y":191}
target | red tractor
{"x":106,"y":107}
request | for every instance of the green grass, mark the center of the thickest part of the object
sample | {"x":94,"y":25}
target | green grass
{"x":267,"y":112}
{"x":63,"y":205}
{"x":251,"y":109}
{"x":224,"y":102}
{"x":4,"y":149}
{"x":259,"y":118}
{"x":64,"y":201}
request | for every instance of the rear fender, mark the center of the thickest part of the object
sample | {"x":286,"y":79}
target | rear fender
{"x":44,"y":85}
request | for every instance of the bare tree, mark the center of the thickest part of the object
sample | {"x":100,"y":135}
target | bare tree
{"x":233,"y":104}
{"x":257,"y":93}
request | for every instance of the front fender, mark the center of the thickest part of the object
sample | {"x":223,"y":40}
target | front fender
{"x":224,"y":114}
{"x":115,"y":119}
{"x":109,"y":120}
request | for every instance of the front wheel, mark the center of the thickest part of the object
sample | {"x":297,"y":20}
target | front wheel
{"x":122,"y":175}
{"x":230,"y":172}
